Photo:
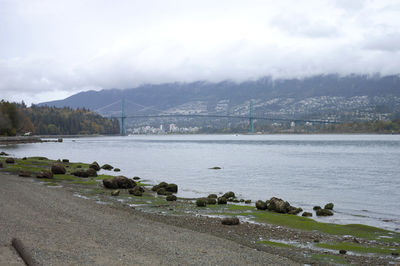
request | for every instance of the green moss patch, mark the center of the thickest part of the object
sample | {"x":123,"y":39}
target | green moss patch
{"x":276,"y":244}
{"x":303,"y":223}
{"x":358,"y":248}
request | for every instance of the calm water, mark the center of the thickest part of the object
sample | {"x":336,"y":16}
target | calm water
{"x":360,"y":174}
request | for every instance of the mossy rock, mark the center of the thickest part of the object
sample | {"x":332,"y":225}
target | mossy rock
{"x":95,"y":166}
{"x":202,"y":202}
{"x":229,"y":195}
{"x":45,"y":174}
{"x":212,"y":196}
{"x":222,"y":200}
{"x":315,"y":208}
{"x":172,"y":188}
{"x":115,"y":193}
{"x":136,"y":192}
{"x":136,"y":178}
{"x":161,"y":191}
{"x":329,"y":206}
{"x":171,"y":198}
{"x":247,"y":201}
{"x":307,"y":214}
{"x":107,"y":167}
{"x":230,"y":221}
{"x":117,"y":170}
{"x":211,"y":201}
{"x":91,"y":172}
{"x":58,"y":169}
{"x":261,"y":205}
{"x":294,"y":210}
{"x":10,"y":160}
{"x":324,"y":212}
{"x":24,"y":173}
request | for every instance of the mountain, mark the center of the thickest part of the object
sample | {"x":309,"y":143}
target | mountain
{"x":353,"y":97}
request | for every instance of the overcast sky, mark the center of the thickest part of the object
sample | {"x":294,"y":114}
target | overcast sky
{"x":51,"y":49}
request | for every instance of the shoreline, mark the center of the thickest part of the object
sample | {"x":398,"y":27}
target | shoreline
{"x":297,"y":245}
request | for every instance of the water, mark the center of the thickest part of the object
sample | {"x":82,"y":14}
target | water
{"x":358,"y":173}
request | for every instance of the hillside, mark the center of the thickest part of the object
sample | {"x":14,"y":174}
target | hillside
{"x":349,"y":98}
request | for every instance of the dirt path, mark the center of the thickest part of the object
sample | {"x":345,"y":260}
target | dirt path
{"x":61,"y":229}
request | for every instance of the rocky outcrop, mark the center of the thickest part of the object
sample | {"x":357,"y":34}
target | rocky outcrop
{"x":172,"y":188}
{"x":230,"y":221}
{"x":307,"y":214}
{"x":58,"y":169}
{"x":211,"y":201}
{"x":119,"y":182}
{"x":212,"y":196}
{"x":329,"y":206}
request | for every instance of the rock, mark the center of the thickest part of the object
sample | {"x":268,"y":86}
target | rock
{"x":230,"y":221}
{"x":115,"y":193}
{"x":65,"y":160}
{"x":107,"y":167}
{"x":212,"y":196}
{"x":329,"y":206}
{"x":81,"y":173}
{"x":211,"y":201}
{"x":395,"y":254}
{"x":60,"y":140}
{"x":3,"y":153}
{"x":315,"y":208}
{"x":161,"y":185}
{"x":172,"y":188}
{"x":261,"y":205}
{"x":202,"y":202}
{"x":91,"y":172}
{"x":215,"y":168}
{"x":45,"y":174}
{"x":241,"y":200}
{"x":235,"y":201}
{"x":222,"y":200}
{"x":136,"y":191}
{"x":136,"y":178}
{"x":161,"y":191}
{"x":247,"y":201}
{"x":229,"y":195}
{"x":117,"y":170}
{"x":58,"y":169}
{"x":24,"y":173}
{"x":278,"y":205}
{"x":294,"y":210}
{"x":342,"y":251}
{"x":119,"y":182}
{"x":171,"y":198}
{"x":10,"y":160}
{"x":307,"y":214}
{"x":324,"y":212}
{"x":95,"y":166}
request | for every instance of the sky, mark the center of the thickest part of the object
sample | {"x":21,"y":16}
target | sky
{"x":51,"y":49}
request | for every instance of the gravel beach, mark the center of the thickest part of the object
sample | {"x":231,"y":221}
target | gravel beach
{"x":61,"y":229}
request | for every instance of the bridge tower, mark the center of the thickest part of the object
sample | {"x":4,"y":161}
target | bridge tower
{"x":123,"y":117}
{"x":251,"y":122}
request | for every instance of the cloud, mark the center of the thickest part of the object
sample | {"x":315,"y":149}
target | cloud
{"x":52,"y":49}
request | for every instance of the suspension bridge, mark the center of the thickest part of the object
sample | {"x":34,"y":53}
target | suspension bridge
{"x":250,"y":117}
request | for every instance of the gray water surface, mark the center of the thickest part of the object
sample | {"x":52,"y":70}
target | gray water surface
{"x":358,"y":173}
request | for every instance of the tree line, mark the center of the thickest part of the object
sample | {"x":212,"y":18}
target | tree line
{"x":18,"y":119}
